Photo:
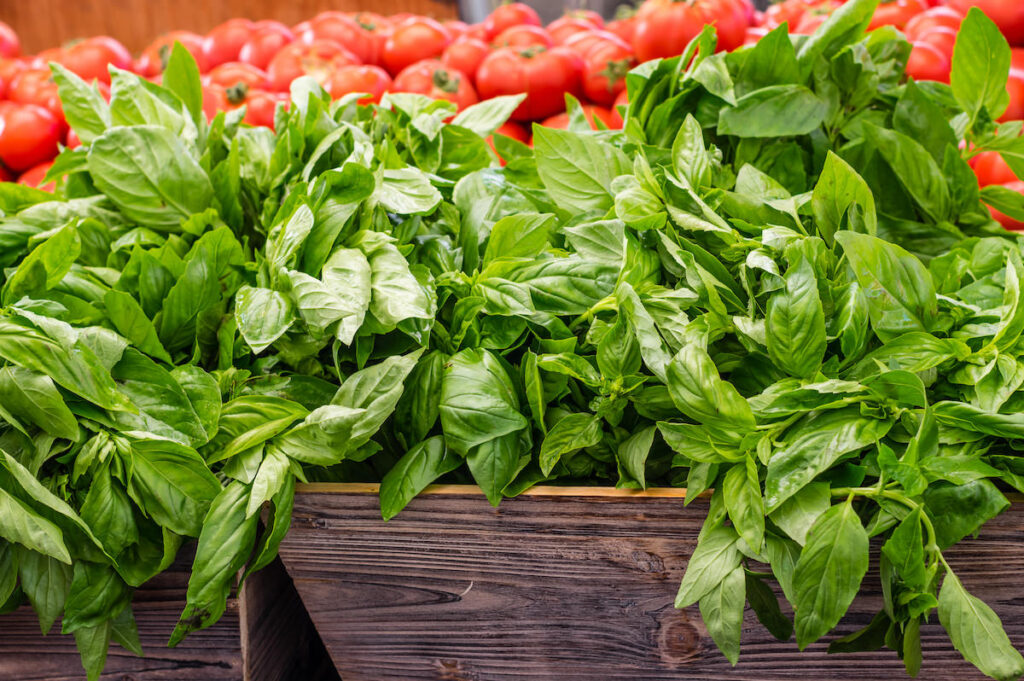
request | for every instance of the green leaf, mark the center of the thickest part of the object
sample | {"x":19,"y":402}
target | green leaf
{"x":44,"y":267}
{"x":766,"y":606}
{"x":407,"y":191}
{"x":33,"y":398}
{"x":172,"y":483}
{"x":131,"y":321}
{"x":795,"y":323}
{"x":741,"y":490}
{"x":839,"y":188}
{"x":773,"y":111}
{"x":487,"y":116}
{"x":97,"y":591}
{"x":420,"y":466}
{"x":722,"y":611}
{"x":981,"y":63}
{"x":519,"y":236}
{"x":977,"y":632}
{"x":570,"y":434}
{"x":263,"y":316}
{"x":19,"y":524}
{"x":701,"y":394}
{"x":93,"y":643}
{"x":494,"y":465}
{"x":84,"y":108}
{"x":181,"y":76}
{"x":716,"y":555}
{"x":632,"y":454}
{"x":46,"y":582}
{"x":478,"y":401}
{"x":918,"y":172}
{"x":797,"y":514}
{"x":841,"y":28}
{"x":905,"y":550}
{"x":577,"y":169}
{"x":829,"y":572}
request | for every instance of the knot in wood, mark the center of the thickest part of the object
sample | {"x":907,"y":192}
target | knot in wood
{"x":680,"y":639}
{"x":452,"y":670}
{"x":648,"y":562}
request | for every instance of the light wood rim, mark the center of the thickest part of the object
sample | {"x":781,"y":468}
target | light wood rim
{"x":473,"y":490}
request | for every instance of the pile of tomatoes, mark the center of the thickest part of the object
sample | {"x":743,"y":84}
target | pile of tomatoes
{"x":252,"y":63}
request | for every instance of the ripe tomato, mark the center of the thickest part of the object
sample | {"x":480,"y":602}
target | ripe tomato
{"x":465,"y":55}
{"x":414,"y":40}
{"x":513,"y":130}
{"x":592,"y":113}
{"x":924,"y":23}
{"x":315,"y":59}
{"x":456,"y":28}
{"x":731,"y":19}
{"x":523,"y":36}
{"x":359,"y":78}
{"x":583,"y":43}
{"x":9,"y":69}
{"x":624,"y":23}
{"x":363,"y":42}
{"x":813,"y":18}
{"x":1015,"y":86}
{"x":543,"y":75}
{"x":154,"y":58}
{"x":990,"y":168}
{"x":215,"y":98}
{"x":664,"y":28}
{"x":785,"y":12}
{"x":232,"y":73}
{"x":897,"y":13}
{"x":71,"y":140}
{"x":267,"y":39}
{"x":432,"y":78}
{"x":29,"y":135}
{"x":1008,"y":15}
{"x":619,"y":109}
{"x":1005,"y":220}
{"x":260,"y":107}
{"x":89,"y":58}
{"x":224,"y":42}
{"x":10,"y":46}
{"x":505,"y":16}
{"x":34,"y":176}
{"x":755,"y":33}
{"x":942,"y":38}
{"x":1016,"y":59}
{"x":568,"y":26}
{"x":590,"y":16}
{"x":605,"y":66}
{"x":36,"y":86}
{"x":927,"y":62}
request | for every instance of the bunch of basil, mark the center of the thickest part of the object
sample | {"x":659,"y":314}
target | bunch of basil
{"x":779,"y":282}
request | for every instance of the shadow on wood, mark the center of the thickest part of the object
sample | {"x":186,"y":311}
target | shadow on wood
{"x":567,"y":588}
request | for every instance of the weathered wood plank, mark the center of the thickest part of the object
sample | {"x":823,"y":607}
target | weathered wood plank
{"x":568,"y":588}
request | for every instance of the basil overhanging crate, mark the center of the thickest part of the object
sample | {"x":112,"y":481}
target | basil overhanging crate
{"x":570,"y":583}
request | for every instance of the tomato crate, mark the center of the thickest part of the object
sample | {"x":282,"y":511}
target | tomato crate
{"x":569,"y":583}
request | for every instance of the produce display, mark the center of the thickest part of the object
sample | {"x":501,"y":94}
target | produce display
{"x":778,"y":283}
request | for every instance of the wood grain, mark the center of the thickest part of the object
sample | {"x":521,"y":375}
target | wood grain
{"x":570,"y":589}
{"x":48,"y":23}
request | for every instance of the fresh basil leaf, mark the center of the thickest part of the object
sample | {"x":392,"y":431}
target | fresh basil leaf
{"x":977,"y":632}
{"x":418,"y":467}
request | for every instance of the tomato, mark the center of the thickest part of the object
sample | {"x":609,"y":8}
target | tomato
{"x":927,"y":62}
{"x":9,"y":70}
{"x":432,"y":78}
{"x":543,"y":75}
{"x":1008,"y":15}
{"x":523,"y":35}
{"x":920,"y":26}
{"x":506,"y":16}
{"x":592,"y":113}
{"x":71,"y":140}
{"x":619,"y":109}
{"x":373,"y":21}
{"x":261,"y":106}
{"x":624,"y":24}
{"x":33,"y":177}
{"x":896,"y":13}
{"x":363,"y":42}
{"x":990,"y":168}
{"x":10,"y":45}
{"x":1015,"y":86}
{"x":89,"y":58}
{"x":812,"y":19}
{"x":731,"y":19}
{"x":456,"y":28}
{"x":1016,"y":59}
{"x":476,"y":31}
{"x":359,"y":78}
{"x":414,"y":40}
{"x":465,"y":55}
{"x":215,"y":98}
{"x":583,"y":43}
{"x":513,"y":130}
{"x":36,"y":86}
{"x":315,"y":59}
{"x":605,"y":66}
{"x":664,"y":28}
{"x":232,"y":73}
{"x":267,"y":39}
{"x":785,"y":12}
{"x":224,"y":42}
{"x":154,"y":58}
{"x":568,"y":26}
{"x":29,"y":135}
{"x":1005,"y":220}
{"x":755,"y":33}
{"x":942,"y":38}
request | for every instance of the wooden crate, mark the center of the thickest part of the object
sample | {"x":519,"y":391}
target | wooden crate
{"x":568,"y":584}
{"x":265,"y":635}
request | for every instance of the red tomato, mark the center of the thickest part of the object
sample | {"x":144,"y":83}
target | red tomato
{"x":373,"y":21}
{"x":1005,"y":220}
{"x":505,"y":16}
{"x":5,"y":175}
{"x":812,"y":19}
{"x":465,"y":55}
{"x":306,"y":59}
{"x":260,"y":107}
{"x":1016,"y":59}
{"x":592,"y":113}
{"x":785,"y":12}
{"x":927,"y":62}
{"x":9,"y":70}
{"x":897,"y":13}
{"x":583,"y":43}
{"x":233,"y":73}
{"x":588,"y":15}
{"x":477,"y":31}
{"x":1015,"y":86}
{"x":990,"y":168}
{"x":513,"y":130}
{"x":414,"y":40}
{"x":33,"y":177}
{"x":36,"y":86}
{"x":154,"y":58}
{"x":942,"y":38}
{"x":215,"y":98}
{"x":755,"y":33}
{"x":523,"y":36}
{"x":1008,"y":15}
{"x":10,"y":46}
{"x":359,"y":78}
{"x":267,"y":39}
{"x":664,"y":28}
{"x":456,"y":28}
{"x":29,"y":135}
{"x":605,"y":66}
{"x":71,"y":140}
{"x":568,"y":26}
{"x":432,"y":78}
{"x":224,"y":42}
{"x":623,"y":26}
{"x":363,"y":42}
{"x":619,"y":109}
{"x":89,"y":58}
{"x":543,"y":75}
{"x":920,"y":26}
